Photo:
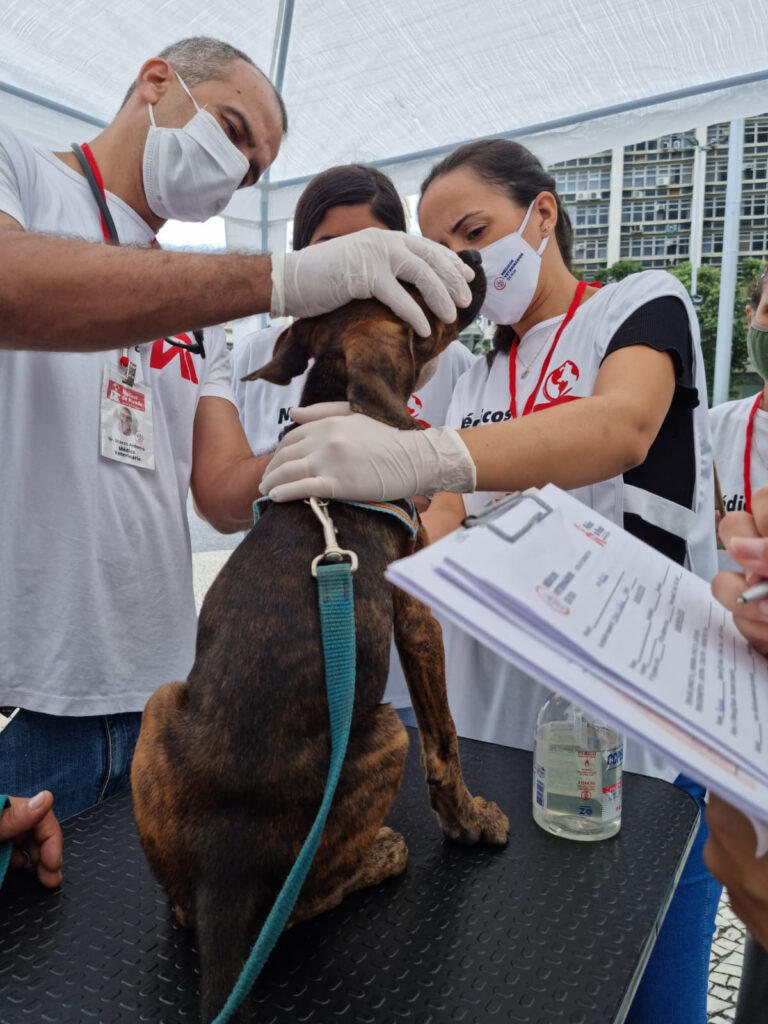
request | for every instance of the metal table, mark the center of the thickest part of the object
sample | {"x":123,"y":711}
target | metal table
{"x":546,"y":930}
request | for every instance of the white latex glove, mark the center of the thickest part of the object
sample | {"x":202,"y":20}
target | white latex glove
{"x":368,"y":264}
{"x":336,"y":453}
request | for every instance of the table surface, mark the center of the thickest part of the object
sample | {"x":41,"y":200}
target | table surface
{"x":545,"y":930}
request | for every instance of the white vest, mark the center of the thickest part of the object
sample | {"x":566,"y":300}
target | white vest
{"x":490,"y":699}
{"x":729,"y":438}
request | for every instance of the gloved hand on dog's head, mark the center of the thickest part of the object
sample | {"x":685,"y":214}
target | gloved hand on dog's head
{"x":368,"y":264}
{"x":336,"y":453}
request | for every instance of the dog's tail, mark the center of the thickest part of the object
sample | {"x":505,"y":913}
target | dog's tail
{"x":227,"y":923}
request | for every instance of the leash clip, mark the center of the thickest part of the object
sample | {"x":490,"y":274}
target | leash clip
{"x":333,"y":553}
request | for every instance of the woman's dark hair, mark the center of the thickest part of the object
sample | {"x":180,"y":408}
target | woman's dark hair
{"x":755,"y":288}
{"x":346,"y":185}
{"x":512,"y":169}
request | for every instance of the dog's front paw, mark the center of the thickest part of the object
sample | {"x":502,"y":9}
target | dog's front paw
{"x":481,"y":821}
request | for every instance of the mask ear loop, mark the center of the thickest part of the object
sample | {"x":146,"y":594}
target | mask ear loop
{"x":523,"y":226}
{"x":185,"y":87}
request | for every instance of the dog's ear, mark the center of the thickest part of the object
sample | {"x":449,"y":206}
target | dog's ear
{"x":290,"y":355}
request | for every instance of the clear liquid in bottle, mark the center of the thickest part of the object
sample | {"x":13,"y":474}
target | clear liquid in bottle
{"x":577,"y":773}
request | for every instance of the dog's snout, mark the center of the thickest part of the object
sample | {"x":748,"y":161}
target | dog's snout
{"x":477,"y":286}
{"x":471,"y":257}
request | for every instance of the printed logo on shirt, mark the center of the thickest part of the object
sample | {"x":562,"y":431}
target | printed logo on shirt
{"x":415,"y":405}
{"x":161,"y":356}
{"x":284,"y":415}
{"x":561,"y":381}
{"x":485,"y":416}
{"x":733,"y":502}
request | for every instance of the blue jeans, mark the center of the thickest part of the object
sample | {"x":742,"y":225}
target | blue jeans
{"x":673,"y":989}
{"x":81,"y":760}
{"x":407,"y":716}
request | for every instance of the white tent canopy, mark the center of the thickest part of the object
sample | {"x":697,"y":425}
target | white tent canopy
{"x":398,"y":83}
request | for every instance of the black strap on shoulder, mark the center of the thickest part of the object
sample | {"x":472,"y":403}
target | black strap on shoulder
{"x":94,"y":185}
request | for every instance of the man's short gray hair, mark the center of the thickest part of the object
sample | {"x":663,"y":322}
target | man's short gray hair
{"x":201,"y":59}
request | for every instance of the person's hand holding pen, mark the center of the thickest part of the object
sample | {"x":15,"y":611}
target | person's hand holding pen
{"x":745,"y":537}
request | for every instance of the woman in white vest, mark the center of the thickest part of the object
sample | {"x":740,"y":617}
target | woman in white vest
{"x":740,"y":428}
{"x":740,"y":446}
{"x":337,"y":202}
{"x":600,"y":391}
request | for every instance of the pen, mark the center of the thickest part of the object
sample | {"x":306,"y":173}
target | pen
{"x":754,"y":593}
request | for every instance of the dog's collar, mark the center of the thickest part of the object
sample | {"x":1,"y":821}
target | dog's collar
{"x":408,"y":516}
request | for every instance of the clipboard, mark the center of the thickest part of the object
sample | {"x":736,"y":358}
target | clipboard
{"x":594,"y":613}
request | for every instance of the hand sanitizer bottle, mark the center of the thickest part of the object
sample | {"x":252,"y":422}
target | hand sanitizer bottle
{"x":577,"y":773}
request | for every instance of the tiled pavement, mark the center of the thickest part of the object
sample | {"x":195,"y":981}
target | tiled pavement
{"x":728,"y":945}
{"x":725,"y":965}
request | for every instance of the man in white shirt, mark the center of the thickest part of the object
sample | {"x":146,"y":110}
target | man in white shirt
{"x":96,"y":604}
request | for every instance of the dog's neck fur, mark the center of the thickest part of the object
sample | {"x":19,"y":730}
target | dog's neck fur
{"x":327,"y":381}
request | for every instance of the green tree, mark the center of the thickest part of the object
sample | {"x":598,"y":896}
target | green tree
{"x":617,"y":271}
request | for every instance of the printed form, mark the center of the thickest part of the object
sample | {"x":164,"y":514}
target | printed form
{"x":590,"y":610}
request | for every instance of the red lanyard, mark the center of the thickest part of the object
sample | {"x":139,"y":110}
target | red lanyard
{"x":513,"y":358}
{"x":748,"y":452}
{"x":100,"y":182}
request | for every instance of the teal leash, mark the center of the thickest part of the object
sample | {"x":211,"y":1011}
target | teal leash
{"x":337,"y":624}
{"x":6,"y":848}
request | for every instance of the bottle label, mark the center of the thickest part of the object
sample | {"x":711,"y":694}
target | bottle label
{"x":571,"y":779}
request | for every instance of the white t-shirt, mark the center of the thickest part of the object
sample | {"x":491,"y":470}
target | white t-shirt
{"x":729,"y":438}
{"x":264,"y":411}
{"x":490,"y":699}
{"x":96,"y":603}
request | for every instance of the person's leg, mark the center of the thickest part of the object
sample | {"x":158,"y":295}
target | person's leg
{"x":121,"y":732}
{"x":752,"y":1005}
{"x":407,"y":717}
{"x":63,"y":754}
{"x":673,"y":989}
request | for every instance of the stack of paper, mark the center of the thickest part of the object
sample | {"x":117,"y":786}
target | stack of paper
{"x":602,"y":618}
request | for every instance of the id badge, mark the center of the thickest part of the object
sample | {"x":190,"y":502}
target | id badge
{"x":126,"y":420}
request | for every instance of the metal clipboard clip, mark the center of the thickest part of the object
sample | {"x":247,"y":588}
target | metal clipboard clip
{"x":486,"y":517}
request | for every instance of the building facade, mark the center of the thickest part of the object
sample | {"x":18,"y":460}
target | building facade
{"x":659,"y":201}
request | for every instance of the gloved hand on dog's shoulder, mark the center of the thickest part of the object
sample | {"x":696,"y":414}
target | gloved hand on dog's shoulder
{"x":336,"y":453}
{"x":368,"y":264}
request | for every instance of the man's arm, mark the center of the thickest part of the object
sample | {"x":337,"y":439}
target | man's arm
{"x":64,"y":294}
{"x":57,"y":293}
{"x":225,"y":472}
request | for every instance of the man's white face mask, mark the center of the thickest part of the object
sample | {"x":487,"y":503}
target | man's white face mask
{"x":190,"y":173}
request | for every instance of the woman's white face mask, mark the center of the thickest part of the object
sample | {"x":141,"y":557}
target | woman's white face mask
{"x":512,"y":269}
{"x":191,"y":173}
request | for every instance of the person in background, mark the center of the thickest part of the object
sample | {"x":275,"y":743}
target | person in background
{"x":35,"y":834}
{"x":600,"y":391}
{"x":97,"y":604}
{"x":740,"y":428}
{"x":731,"y":852}
{"x":337,"y":202}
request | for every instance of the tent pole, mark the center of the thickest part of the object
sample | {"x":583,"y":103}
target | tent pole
{"x":729,"y":263}
{"x":43,"y":101}
{"x":697,"y":206}
{"x":281,"y":48}
{"x":562,"y":122}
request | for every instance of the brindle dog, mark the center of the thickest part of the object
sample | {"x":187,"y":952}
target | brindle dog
{"x":230,"y":765}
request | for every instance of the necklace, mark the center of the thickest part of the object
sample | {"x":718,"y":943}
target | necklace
{"x":527,"y":366}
